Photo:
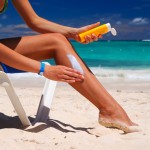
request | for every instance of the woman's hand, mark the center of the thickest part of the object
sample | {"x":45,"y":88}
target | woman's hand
{"x":89,"y":38}
{"x":63,"y":73}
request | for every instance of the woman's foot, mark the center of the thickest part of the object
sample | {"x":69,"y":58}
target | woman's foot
{"x":121,"y":122}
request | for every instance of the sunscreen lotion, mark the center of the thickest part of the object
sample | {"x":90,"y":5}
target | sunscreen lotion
{"x":100,"y":30}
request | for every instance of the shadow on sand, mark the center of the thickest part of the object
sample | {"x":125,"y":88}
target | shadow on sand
{"x":14,"y":122}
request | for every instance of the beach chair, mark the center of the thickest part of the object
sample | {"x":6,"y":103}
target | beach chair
{"x":45,"y":102}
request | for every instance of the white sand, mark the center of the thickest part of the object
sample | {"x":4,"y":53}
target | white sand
{"x":73,"y":124}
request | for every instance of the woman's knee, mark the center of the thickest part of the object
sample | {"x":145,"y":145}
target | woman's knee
{"x":60,"y":42}
{"x":57,"y":38}
{"x":53,"y":42}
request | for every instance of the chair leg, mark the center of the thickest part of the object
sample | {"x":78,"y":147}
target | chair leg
{"x":6,"y":83}
{"x":45,"y":102}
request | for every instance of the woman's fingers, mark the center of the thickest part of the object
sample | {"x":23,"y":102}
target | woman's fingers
{"x":100,"y":36}
{"x":88,"y":27}
{"x":88,"y":38}
{"x":66,"y":77}
{"x":74,"y":75}
{"x":68,"y":81}
{"x":73,"y":70}
{"x":91,"y":38}
{"x":93,"y":25}
{"x":63,"y":73}
{"x":94,"y":37}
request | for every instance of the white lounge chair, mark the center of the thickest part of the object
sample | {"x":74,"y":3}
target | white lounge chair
{"x":44,"y":105}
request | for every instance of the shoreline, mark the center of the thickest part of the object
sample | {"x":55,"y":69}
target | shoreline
{"x":120,"y":83}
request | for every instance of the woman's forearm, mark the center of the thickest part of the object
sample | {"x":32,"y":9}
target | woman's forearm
{"x":38,"y":23}
{"x":44,"y":26}
{"x":16,"y":60}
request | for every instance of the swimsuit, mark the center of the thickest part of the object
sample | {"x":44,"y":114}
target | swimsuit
{"x":4,"y":67}
{"x":5,"y":7}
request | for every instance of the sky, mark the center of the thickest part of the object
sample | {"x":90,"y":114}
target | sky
{"x":131,"y":18}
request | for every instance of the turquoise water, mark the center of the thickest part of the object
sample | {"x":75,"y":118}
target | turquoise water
{"x":115,"y":54}
{"x":125,"y":60}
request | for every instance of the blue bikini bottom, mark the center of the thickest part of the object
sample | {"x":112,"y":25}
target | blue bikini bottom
{"x":8,"y":69}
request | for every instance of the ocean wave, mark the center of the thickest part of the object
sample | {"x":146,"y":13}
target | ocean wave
{"x":104,"y":73}
{"x":125,"y":74}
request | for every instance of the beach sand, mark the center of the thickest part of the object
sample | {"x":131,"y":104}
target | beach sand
{"x":73,"y":123}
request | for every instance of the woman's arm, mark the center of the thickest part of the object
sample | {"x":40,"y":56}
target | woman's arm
{"x":42,"y":25}
{"x":37,"y":23}
{"x":18,"y":61}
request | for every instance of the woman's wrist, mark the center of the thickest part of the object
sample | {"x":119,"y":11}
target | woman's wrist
{"x":42,"y":68}
{"x":70,"y":32}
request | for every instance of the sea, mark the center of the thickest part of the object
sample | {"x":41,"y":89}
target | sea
{"x":127,"y":60}
{"x":116,"y":60}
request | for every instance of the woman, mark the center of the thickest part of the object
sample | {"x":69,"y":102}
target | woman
{"x":25,"y":53}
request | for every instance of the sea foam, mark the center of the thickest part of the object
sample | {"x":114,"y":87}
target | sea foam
{"x":102,"y":73}
{"x":124,"y":74}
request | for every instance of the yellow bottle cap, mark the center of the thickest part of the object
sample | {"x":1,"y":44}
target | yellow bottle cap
{"x":112,"y":30}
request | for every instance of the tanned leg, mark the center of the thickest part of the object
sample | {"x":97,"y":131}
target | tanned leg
{"x":46,"y":46}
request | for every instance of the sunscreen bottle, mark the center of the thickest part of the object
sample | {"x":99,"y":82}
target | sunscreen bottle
{"x":103,"y":29}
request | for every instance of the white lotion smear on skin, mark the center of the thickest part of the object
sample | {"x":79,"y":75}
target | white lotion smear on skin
{"x":75,"y":63}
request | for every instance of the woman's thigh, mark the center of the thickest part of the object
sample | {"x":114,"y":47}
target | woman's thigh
{"x":38,"y":47}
